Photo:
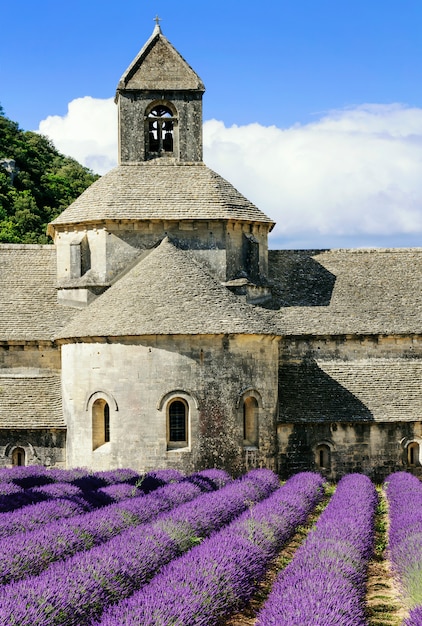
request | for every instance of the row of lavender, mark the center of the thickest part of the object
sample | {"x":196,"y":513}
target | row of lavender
{"x":67,"y":503}
{"x":404,"y":496}
{"x":22,"y":486}
{"x":218,"y":576}
{"x":324,"y":584}
{"x":75,"y":591}
{"x":34,"y":550}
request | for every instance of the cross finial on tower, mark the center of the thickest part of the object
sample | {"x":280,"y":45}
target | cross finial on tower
{"x":157,"y":20}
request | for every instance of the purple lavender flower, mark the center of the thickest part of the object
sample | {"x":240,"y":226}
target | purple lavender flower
{"x":220,"y":574}
{"x":404,"y":495}
{"x":76,"y":591}
{"x":324,"y":584}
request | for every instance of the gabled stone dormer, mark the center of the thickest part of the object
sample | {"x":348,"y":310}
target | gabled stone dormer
{"x":159,"y":99}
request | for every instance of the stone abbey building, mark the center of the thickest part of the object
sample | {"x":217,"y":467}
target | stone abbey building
{"x":160,"y":331}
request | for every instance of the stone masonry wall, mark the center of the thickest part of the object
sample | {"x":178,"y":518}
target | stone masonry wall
{"x":359,"y":399}
{"x":41,"y":446}
{"x":138,"y":378}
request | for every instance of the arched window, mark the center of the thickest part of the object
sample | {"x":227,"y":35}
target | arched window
{"x":323,"y":456}
{"x":250,"y":422}
{"x":177,"y":428}
{"x":413,"y":454}
{"x":161,"y":124}
{"x":100,"y":423}
{"x":18,"y":456}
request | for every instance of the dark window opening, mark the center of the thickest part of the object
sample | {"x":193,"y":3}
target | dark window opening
{"x":106,"y":423}
{"x":323,"y":457}
{"x":413,"y":454}
{"x":18,"y":457}
{"x":177,"y":423}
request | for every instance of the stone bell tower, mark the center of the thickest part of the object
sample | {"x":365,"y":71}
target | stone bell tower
{"x":159,"y":99}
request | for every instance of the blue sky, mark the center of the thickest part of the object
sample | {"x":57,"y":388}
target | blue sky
{"x":313,"y":109}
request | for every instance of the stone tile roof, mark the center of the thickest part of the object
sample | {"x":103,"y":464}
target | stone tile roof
{"x":167,"y":292}
{"x":28,"y":297}
{"x":363,"y":291}
{"x":359,"y":390}
{"x":161,"y":191}
{"x":30,"y":400}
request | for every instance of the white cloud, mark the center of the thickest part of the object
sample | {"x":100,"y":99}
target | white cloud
{"x":88,"y":132}
{"x":352,"y":177}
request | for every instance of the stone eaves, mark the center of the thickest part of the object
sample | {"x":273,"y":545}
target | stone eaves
{"x":150,"y":191}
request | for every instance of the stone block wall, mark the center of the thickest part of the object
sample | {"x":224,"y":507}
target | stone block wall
{"x":350,"y":404}
{"x":138,"y":377}
{"x":39,"y":446}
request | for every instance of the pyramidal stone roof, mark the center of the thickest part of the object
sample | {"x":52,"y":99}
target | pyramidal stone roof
{"x":161,"y":191}
{"x":166,"y":293}
{"x":159,"y":66}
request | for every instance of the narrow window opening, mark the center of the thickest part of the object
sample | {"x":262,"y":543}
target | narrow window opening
{"x":177,"y":424}
{"x":18,"y":457}
{"x":323,"y":457}
{"x":106,"y":423}
{"x":413,"y":454}
{"x":250,"y":422}
{"x":100,"y":423}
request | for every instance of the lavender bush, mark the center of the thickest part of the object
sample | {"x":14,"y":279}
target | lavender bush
{"x":27,"y":485}
{"x":324,"y":584}
{"x":216,"y":577}
{"x":415,"y":617}
{"x":31,"y":552}
{"x":404,"y":496}
{"x":26,"y":476}
{"x":30,"y":517}
{"x":76,"y":591}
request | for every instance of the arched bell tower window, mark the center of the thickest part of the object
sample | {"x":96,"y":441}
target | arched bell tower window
{"x":161,"y":130}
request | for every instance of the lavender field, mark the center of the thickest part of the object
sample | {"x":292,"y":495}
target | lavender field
{"x":120,"y":548}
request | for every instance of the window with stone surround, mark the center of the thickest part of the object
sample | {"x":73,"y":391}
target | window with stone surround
{"x":18,"y":457}
{"x":100,"y":423}
{"x":323,"y":456}
{"x":177,"y":424}
{"x":250,"y":422}
{"x":413,"y":454}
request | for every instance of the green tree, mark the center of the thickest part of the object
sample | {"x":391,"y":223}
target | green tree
{"x":36,"y":183}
